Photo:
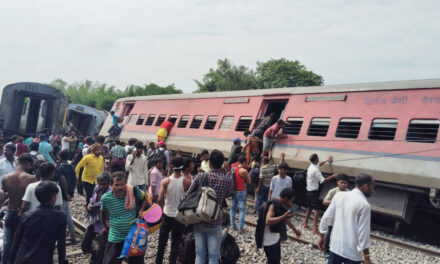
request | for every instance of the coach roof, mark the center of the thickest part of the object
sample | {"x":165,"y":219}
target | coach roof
{"x":356,"y":87}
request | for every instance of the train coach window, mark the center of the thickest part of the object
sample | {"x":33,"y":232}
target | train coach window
{"x":140,"y":120}
{"x":132,"y":119}
{"x":244,"y":123}
{"x":183,"y":121}
{"x":173,"y":119}
{"x":196,"y":122}
{"x":348,"y":127}
{"x":150,"y":120}
{"x":226,"y":123}
{"x":422,"y":130}
{"x":293,"y":127}
{"x":383,"y":129}
{"x":318,"y":127}
{"x":210,"y":122}
{"x":160,"y":119}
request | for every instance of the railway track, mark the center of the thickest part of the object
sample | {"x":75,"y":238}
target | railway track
{"x":80,"y":228}
{"x":396,"y":242}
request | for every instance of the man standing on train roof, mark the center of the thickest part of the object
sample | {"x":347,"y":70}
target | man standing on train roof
{"x":350,"y":238}
{"x":272,"y":133}
{"x":7,"y":164}
{"x":314,"y":178}
{"x":14,"y":185}
{"x":164,"y":130}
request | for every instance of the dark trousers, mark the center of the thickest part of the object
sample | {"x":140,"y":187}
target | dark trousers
{"x":273,"y":253}
{"x":86,"y":245}
{"x":283,"y":233}
{"x":169,"y":225}
{"x":88,"y":187}
{"x":79,"y":185}
{"x":336,"y":259}
{"x":113,"y":251}
{"x":327,"y":238}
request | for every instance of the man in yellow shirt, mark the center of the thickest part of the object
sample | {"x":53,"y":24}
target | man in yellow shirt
{"x":93,"y":164}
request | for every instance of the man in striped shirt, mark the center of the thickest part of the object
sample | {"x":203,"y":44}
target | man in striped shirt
{"x":117,"y":156}
{"x":117,"y":218}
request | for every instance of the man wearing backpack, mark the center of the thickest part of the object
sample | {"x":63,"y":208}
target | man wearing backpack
{"x":273,"y":215}
{"x":241,"y":176}
{"x":163,"y":154}
{"x":208,"y":234}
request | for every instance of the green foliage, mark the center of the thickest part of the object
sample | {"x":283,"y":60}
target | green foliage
{"x":101,"y":96}
{"x":285,"y":73}
{"x":269,"y":74}
{"x":227,"y":77}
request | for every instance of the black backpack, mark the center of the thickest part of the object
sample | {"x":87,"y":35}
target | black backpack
{"x":158,"y":154}
{"x":231,"y":175}
{"x":229,"y":250}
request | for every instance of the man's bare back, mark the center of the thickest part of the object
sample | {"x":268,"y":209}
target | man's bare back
{"x":14,"y":185}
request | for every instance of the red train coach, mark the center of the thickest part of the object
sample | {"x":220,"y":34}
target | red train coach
{"x":389,"y":130}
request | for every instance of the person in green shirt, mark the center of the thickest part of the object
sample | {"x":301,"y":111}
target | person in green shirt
{"x":118,"y":217}
{"x":342,"y":181}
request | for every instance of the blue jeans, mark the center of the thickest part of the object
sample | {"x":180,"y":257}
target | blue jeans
{"x":261,"y":197}
{"x":240,"y":199}
{"x":336,"y":259}
{"x":11,"y":224}
{"x":207,"y":239}
{"x":65,"y":208}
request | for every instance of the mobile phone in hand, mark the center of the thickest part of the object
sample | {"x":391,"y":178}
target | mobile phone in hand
{"x":294,"y":208}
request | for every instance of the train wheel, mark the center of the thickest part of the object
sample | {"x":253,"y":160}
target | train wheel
{"x":434,"y":198}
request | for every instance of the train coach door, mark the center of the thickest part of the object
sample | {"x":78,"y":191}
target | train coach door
{"x":274,"y":107}
{"x":32,"y":116}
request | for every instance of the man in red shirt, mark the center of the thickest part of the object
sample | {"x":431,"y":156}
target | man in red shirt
{"x":164,"y":130}
{"x":270,"y":135}
{"x":239,"y":196}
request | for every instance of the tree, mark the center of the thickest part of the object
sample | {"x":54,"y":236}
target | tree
{"x":227,"y":77}
{"x":102,"y":96}
{"x":285,"y":73}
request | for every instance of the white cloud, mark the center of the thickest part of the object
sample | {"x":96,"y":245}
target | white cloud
{"x":137,"y":42}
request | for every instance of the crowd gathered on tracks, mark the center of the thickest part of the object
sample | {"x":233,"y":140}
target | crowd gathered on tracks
{"x":122,"y":182}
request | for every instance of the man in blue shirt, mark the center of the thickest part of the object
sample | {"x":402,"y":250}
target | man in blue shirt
{"x":46,"y":149}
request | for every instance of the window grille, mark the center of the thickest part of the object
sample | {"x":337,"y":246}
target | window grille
{"x":196,"y":122}
{"x":244,"y":123}
{"x":383,"y":129}
{"x":318,"y":127}
{"x":293,"y":125}
{"x":349,"y":128}
{"x":150,"y":120}
{"x":226,"y":123}
{"x":210,"y":122}
{"x":183,"y":121}
{"x":422,"y":130}
{"x":140,"y":120}
{"x":160,"y":120}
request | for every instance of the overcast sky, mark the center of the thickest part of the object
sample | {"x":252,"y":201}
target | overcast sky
{"x":165,"y":42}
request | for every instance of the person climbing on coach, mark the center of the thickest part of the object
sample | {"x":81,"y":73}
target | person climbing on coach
{"x":164,"y":130}
{"x":342,"y":181}
{"x":14,"y":186}
{"x":314,"y":178}
{"x":137,"y":167}
{"x":39,"y":230}
{"x":350,"y":239}
{"x":270,"y":135}
{"x":95,"y":227}
{"x":118,"y":211}
{"x":93,"y":165}
{"x":208,"y":234}
{"x":239,"y":196}
{"x":172,"y":190}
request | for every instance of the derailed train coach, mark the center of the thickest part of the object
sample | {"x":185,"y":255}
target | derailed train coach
{"x":388,"y":129}
{"x":28,"y":108}
{"x":85,"y":119}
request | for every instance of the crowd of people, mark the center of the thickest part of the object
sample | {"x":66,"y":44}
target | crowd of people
{"x":39,"y":177}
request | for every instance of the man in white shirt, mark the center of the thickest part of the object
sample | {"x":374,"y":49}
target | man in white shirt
{"x":137,"y":167}
{"x":314,"y":178}
{"x":30,"y":201}
{"x":350,"y":238}
{"x":7,"y":164}
{"x":85,"y":149}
